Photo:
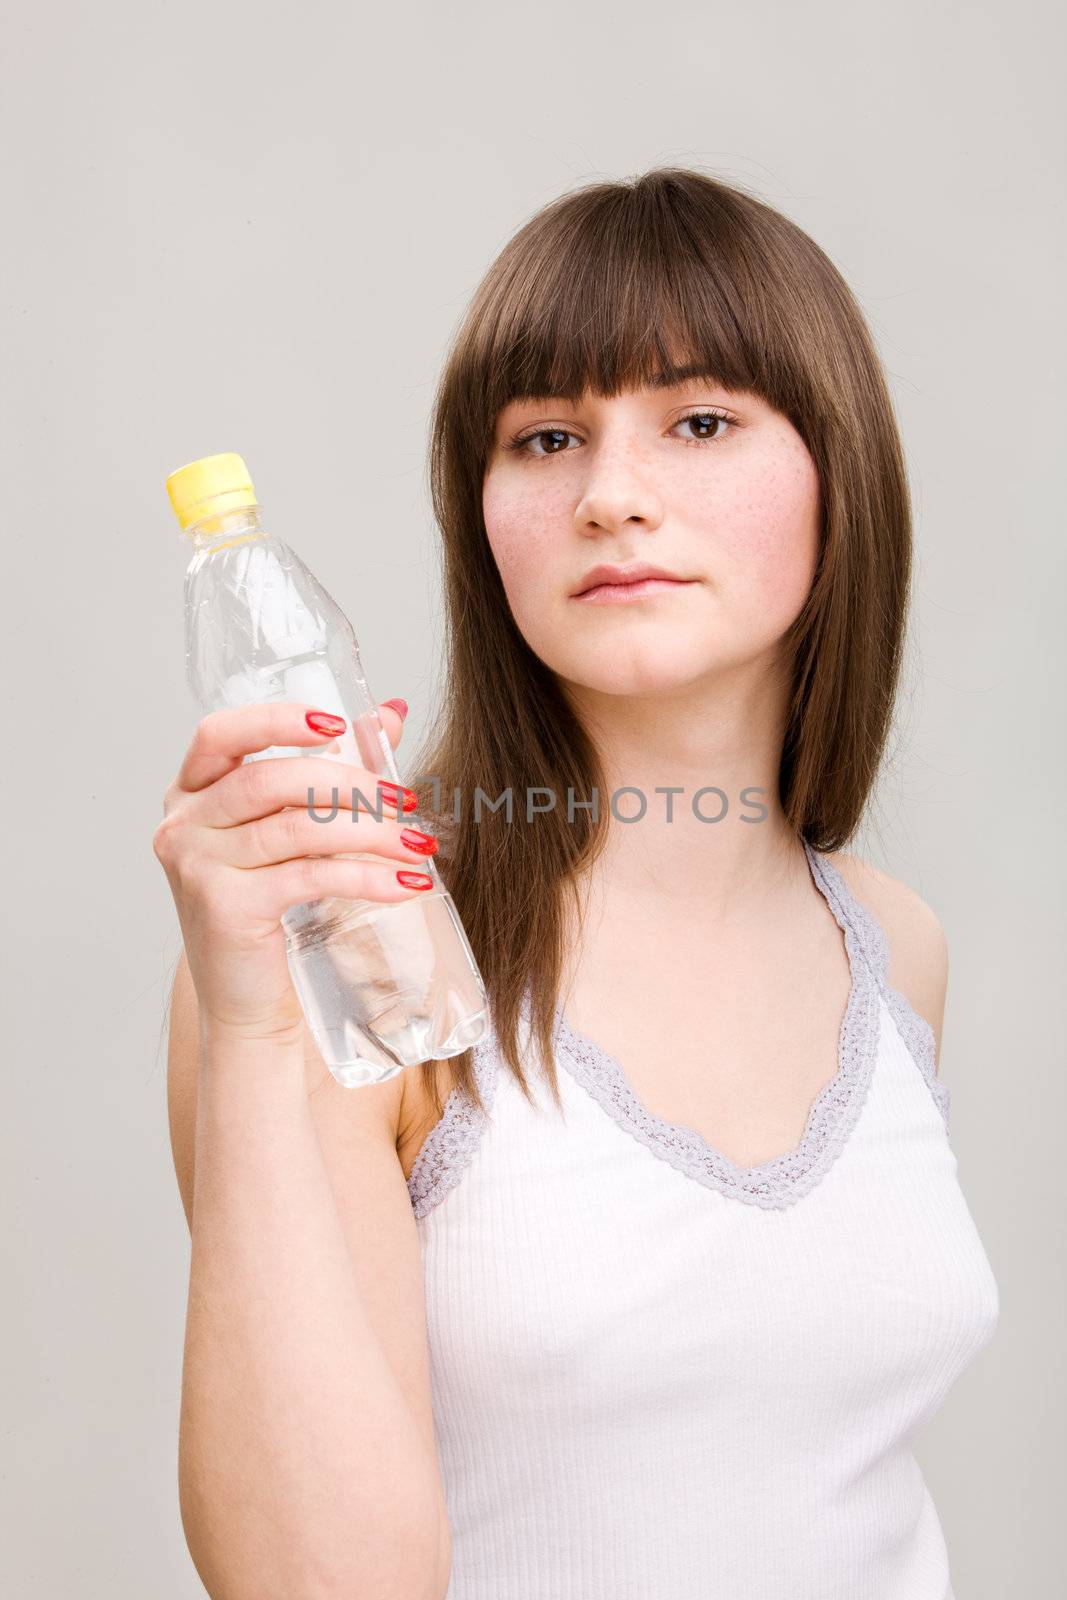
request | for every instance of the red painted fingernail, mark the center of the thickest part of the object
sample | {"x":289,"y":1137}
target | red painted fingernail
{"x":398,"y":705}
{"x":323,"y":722}
{"x":395,"y":795}
{"x":415,"y":839}
{"x":414,"y":880}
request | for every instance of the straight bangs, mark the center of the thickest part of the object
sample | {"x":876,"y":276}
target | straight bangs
{"x":618,"y":289}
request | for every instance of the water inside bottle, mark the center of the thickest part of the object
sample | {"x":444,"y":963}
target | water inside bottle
{"x":367,"y":1024}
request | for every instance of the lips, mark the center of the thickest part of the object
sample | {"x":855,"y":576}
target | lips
{"x":621,"y":576}
{"x":625,"y":593}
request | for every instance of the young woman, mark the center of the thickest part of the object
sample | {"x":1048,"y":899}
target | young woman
{"x":648,"y":1293}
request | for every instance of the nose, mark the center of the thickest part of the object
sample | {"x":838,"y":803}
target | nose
{"x":617,"y":491}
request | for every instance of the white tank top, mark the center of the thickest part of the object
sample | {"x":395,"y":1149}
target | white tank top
{"x":658,"y":1376}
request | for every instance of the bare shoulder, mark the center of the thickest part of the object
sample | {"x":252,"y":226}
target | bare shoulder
{"x":918,"y":949}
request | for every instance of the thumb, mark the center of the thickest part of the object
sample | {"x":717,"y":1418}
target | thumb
{"x":392,"y":713}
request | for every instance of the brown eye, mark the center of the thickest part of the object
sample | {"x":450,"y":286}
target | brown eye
{"x":702,"y":419}
{"x":543,"y":433}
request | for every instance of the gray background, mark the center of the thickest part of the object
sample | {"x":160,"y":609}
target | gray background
{"x":230,"y":231}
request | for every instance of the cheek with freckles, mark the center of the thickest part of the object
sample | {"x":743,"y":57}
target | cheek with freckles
{"x":766,"y":541}
{"x":522,"y":528}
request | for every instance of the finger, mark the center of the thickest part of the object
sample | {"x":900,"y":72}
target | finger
{"x":392,"y":714}
{"x":257,"y":788}
{"x":223,"y":738}
{"x":288,"y":835}
{"x":294,"y":883}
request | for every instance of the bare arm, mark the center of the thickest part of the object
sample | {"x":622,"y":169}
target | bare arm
{"x":306,"y":1459}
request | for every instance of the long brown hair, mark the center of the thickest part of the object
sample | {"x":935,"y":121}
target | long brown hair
{"x":599,"y":290}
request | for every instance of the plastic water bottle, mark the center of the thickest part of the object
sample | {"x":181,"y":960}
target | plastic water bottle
{"x":383,"y":985}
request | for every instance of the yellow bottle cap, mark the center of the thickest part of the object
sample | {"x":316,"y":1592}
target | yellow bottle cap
{"x":209,"y":487}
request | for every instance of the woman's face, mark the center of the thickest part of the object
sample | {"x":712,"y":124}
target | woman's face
{"x":711,"y":485}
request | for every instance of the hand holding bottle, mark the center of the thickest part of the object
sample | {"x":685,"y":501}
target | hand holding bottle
{"x":240,"y":846}
{"x":386,"y":978}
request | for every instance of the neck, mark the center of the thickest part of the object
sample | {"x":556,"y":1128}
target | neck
{"x":728,"y":738}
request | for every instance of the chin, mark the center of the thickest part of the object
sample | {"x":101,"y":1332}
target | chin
{"x":630,"y":673}
{"x":638,"y":655}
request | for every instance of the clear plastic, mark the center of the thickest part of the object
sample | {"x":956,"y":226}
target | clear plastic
{"x":383,"y":986}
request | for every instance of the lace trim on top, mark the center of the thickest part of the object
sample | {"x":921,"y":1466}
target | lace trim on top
{"x":451,"y":1143}
{"x":916,"y":1032}
{"x":785,"y":1178}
